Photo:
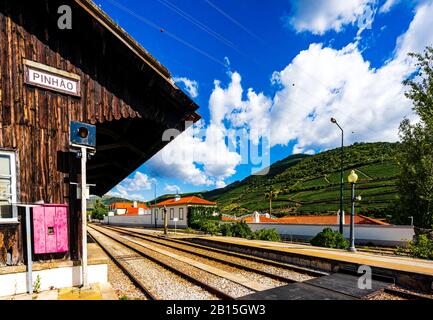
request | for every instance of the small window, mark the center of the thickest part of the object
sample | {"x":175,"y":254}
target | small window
{"x":8,"y":189}
{"x":180,"y":213}
{"x":156,"y":214}
{"x":171,"y":213}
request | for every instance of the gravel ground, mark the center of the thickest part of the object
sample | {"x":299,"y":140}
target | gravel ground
{"x":161,"y":282}
{"x":386,"y":296}
{"x":287,"y":273}
{"x":227,"y":286}
{"x":121,"y":284}
{"x":269,"y":282}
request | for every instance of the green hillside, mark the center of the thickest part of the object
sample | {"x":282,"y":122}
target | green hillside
{"x":311,"y":184}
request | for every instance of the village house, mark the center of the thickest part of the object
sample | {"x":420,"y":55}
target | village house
{"x":93,"y":73}
{"x":178,"y":209}
{"x":129,"y":208}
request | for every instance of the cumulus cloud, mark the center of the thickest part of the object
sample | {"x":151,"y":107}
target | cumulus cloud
{"x":386,"y":7}
{"x":319,"y":83}
{"x":320,"y":16}
{"x":172,"y":188}
{"x":191,"y":86}
{"x":198,"y":156}
{"x":133,"y":188}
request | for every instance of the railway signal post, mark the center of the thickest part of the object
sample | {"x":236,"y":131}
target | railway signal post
{"x":83,"y":139}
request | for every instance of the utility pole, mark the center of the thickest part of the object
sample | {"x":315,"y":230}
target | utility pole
{"x":84,"y":215}
{"x":165,"y":221}
{"x":155,"y":208}
{"x":333,"y":120}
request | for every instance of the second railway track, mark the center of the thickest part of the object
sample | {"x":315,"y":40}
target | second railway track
{"x":218,"y":273}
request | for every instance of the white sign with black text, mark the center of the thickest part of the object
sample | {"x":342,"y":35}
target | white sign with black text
{"x":47,"y":77}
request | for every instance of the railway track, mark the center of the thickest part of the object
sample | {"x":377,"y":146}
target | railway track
{"x":222,"y":284}
{"x":165,"y":278}
{"x":240,"y":260}
{"x":201,"y":257}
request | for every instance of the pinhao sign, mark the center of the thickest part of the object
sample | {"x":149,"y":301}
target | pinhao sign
{"x":47,"y":77}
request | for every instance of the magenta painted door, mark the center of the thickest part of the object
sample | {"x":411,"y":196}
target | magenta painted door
{"x":50,"y":225}
{"x":62,"y":229}
{"x":39,"y":229}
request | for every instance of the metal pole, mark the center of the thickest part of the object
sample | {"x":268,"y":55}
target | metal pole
{"x":154,"y":202}
{"x":29,"y":252}
{"x":165,"y":222}
{"x":341,"y":181}
{"x":352,"y":222}
{"x":84,"y":216}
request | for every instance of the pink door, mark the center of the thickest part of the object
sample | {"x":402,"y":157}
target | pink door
{"x":50,"y":228}
{"x":39,"y":229}
{"x":61,"y":225}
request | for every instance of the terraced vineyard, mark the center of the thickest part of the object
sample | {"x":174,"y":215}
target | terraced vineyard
{"x":311,"y":184}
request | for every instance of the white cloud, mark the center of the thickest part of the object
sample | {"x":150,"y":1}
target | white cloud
{"x":319,"y":16}
{"x":191,"y":86}
{"x":172,"y":188}
{"x":419,"y":34}
{"x":386,"y":7}
{"x":318,"y":84}
{"x":198,"y":156}
{"x":133,"y":188}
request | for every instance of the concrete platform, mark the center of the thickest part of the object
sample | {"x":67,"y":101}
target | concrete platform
{"x":338,"y":286}
{"x":98,"y":291}
{"x":415,"y":273}
{"x":55,"y":274}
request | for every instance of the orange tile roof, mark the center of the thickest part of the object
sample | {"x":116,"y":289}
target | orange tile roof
{"x":185,"y":200}
{"x":127,"y":205}
{"x":359,"y":219}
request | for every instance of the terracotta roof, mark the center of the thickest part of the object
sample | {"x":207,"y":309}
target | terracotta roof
{"x":359,"y":219}
{"x":185,"y":200}
{"x":126,"y":205}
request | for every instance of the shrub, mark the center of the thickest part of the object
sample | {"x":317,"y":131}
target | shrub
{"x":211,"y":227}
{"x":330,"y":239}
{"x":267,"y":235}
{"x":421,"y":248}
{"x":197,"y":216}
{"x":237,"y":229}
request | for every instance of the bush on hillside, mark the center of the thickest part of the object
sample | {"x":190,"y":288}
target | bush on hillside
{"x":267,"y":235}
{"x":330,"y":239}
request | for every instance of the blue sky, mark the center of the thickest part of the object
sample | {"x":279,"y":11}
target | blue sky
{"x":277,"y":70}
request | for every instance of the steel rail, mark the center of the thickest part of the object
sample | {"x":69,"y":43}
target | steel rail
{"x":176,"y":271}
{"x":137,"y":282}
{"x":277,"y":264}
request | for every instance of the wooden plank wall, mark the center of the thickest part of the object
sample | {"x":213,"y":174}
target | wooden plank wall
{"x":35,"y":122}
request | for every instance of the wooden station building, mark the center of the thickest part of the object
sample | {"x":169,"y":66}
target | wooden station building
{"x":93,"y":73}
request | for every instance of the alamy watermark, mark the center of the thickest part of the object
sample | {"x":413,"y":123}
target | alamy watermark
{"x":250,"y":147}
{"x":65,"y":19}
{"x":365,"y":280}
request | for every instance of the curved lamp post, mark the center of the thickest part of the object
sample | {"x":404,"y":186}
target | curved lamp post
{"x":352,"y":178}
{"x":333,"y":120}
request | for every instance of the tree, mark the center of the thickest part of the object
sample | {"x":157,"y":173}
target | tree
{"x":415,"y":157}
{"x":271,"y":194}
{"x":99,"y":210}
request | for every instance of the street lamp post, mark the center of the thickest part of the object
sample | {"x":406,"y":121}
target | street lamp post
{"x":352,"y":178}
{"x":333,"y":120}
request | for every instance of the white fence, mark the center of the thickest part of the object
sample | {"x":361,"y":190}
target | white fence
{"x":364,"y":234}
{"x":146,"y":220}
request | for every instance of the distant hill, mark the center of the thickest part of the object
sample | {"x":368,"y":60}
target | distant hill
{"x":311,"y":184}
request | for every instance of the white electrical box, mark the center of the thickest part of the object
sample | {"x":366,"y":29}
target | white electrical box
{"x":79,"y":192}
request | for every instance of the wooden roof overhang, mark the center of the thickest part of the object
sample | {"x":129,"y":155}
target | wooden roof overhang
{"x":131,"y":133}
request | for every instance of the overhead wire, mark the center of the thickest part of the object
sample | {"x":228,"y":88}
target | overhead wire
{"x":168,"y":33}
